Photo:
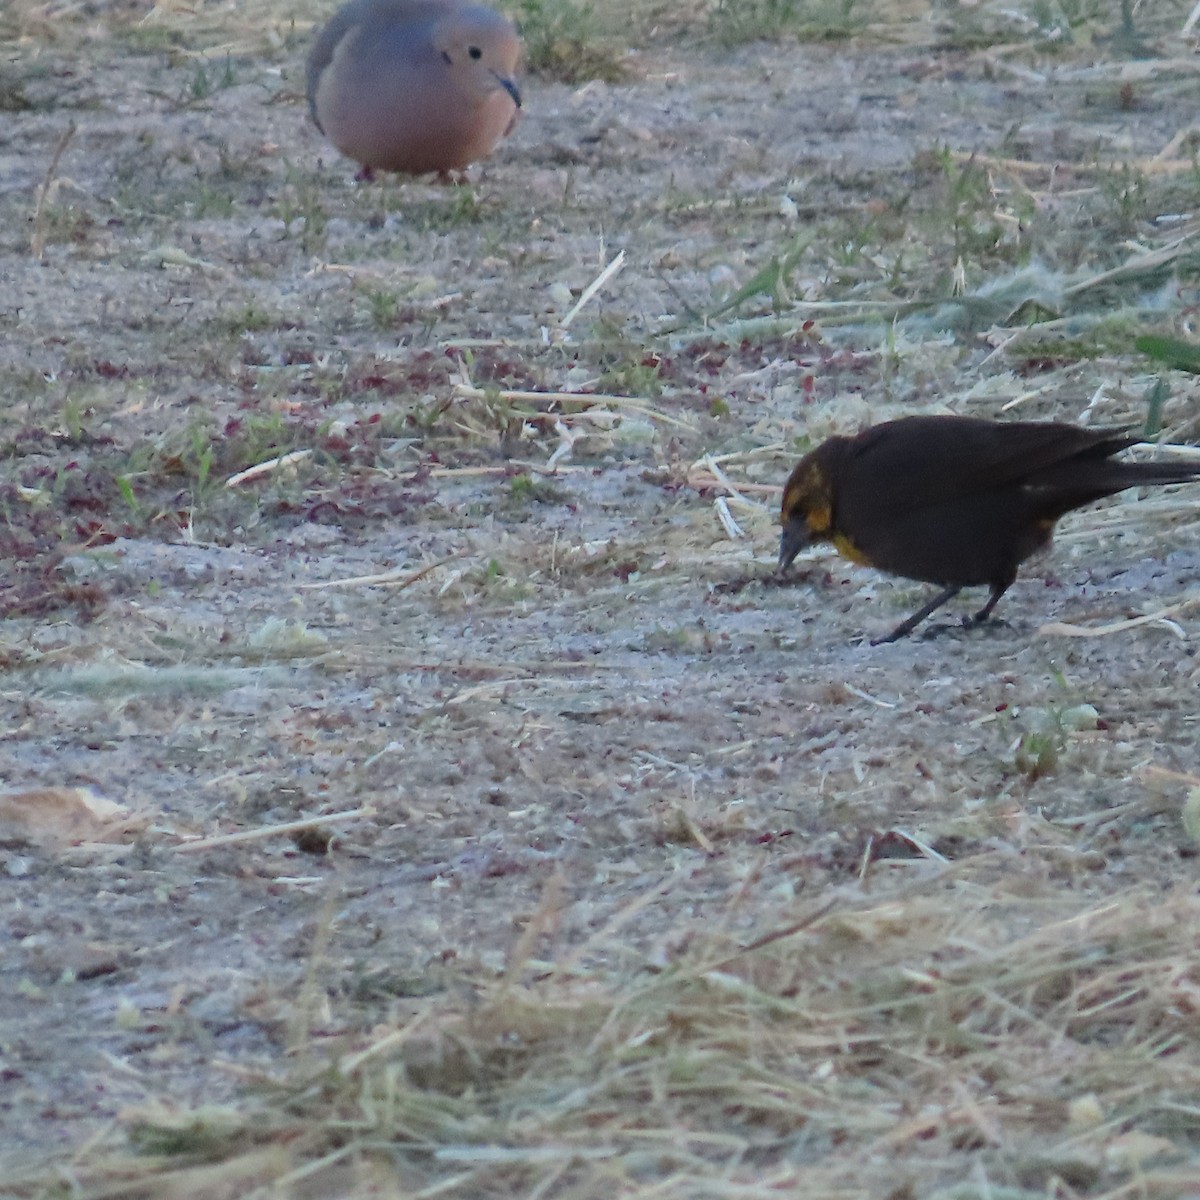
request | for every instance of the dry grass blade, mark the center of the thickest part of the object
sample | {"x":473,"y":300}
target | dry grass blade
{"x":1138,"y":265}
{"x":703,"y":481}
{"x":388,"y":1044}
{"x":592,"y":288}
{"x":1156,"y":772}
{"x":732,"y":529}
{"x":584,"y":399}
{"x":270,"y":831}
{"x":268,"y":467}
{"x":1062,"y":629}
{"x":398,"y":579}
{"x":37,"y":243}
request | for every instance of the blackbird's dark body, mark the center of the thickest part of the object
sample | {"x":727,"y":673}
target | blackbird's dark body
{"x":956,"y":501}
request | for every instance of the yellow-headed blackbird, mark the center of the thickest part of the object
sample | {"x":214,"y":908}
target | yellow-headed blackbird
{"x":956,"y":501}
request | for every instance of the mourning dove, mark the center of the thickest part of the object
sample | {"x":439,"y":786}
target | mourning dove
{"x":414,"y":85}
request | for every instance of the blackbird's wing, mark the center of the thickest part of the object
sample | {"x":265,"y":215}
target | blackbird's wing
{"x":920,"y":462}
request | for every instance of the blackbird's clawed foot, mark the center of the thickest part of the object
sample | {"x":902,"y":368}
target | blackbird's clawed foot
{"x":970,"y":622}
{"x":985,"y":620}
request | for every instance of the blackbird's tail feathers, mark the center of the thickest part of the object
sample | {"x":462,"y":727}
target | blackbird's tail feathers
{"x":1082,"y":480}
{"x":1158,"y":472}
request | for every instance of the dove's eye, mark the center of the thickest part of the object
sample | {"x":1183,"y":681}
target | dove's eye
{"x":475,"y":52}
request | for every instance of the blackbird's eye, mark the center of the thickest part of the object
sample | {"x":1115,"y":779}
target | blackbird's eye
{"x":475,"y":52}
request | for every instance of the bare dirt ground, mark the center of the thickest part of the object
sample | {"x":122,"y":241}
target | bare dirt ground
{"x":653,"y":879}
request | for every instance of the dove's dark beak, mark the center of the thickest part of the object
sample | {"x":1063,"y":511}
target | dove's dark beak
{"x":510,"y":87}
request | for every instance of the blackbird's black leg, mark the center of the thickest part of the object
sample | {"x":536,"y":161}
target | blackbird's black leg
{"x":906,"y":627}
{"x":998,"y":590}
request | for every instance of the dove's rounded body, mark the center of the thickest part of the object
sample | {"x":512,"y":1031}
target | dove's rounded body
{"x":414,"y":85}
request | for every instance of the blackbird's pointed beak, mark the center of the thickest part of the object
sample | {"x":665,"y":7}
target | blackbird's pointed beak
{"x":795,"y":537}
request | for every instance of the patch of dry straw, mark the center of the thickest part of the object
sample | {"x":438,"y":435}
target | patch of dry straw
{"x":955,"y":1039}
